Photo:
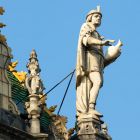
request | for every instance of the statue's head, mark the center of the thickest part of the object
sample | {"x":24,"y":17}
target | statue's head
{"x":94,"y":16}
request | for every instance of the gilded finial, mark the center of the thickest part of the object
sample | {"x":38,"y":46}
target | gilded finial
{"x":2,"y":37}
{"x":42,"y":98}
{"x":12,"y":66}
{"x":50,"y":110}
{"x":2,"y":25}
{"x":19,"y":75}
{"x":2,"y":10}
{"x":1,"y":13}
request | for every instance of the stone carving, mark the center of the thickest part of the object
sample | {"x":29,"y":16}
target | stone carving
{"x":91,"y":62}
{"x":50,"y":110}
{"x":105,"y":131}
{"x":35,"y":88}
{"x":59,"y":127}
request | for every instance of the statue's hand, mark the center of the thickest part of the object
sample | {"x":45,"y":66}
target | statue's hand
{"x":113,"y":51}
{"x":107,"y":42}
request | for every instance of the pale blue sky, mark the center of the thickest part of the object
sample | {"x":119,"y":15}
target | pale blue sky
{"x":52,"y":28}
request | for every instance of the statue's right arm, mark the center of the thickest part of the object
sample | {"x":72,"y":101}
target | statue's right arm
{"x":89,"y":40}
{"x":92,"y":41}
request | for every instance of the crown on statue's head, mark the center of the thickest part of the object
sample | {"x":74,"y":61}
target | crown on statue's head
{"x":95,"y":11}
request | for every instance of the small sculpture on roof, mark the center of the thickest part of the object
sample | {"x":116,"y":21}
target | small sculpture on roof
{"x":33,"y":82}
{"x":35,"y":87}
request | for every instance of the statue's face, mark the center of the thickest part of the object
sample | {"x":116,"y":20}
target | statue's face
{"x":96,"y":19}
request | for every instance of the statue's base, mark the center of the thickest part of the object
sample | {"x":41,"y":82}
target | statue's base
{"x":89,"y":128}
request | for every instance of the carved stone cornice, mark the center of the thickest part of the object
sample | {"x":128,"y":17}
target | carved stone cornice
{"x":11,"y":133}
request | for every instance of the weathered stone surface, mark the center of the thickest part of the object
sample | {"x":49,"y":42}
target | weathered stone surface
{"x":10,"y":119}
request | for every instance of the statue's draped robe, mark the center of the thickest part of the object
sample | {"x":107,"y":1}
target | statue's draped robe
{"x":89,"y":59}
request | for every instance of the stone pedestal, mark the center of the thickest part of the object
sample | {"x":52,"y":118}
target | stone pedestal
{"x":35,"y":126}
{"x":89,"y":128}
{"x":34,"y":113}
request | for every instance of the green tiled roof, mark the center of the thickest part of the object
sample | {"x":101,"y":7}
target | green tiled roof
{"x":45,"y":120}
{"x":19,"y":93}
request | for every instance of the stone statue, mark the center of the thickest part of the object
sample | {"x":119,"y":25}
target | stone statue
{"x":91,"y":62}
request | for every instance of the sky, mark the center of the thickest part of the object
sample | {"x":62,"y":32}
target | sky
{"x":52,"y":29}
